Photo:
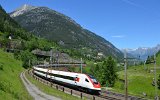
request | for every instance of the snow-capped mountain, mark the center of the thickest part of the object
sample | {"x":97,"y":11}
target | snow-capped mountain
{"x":143,"y":52}
{"x":21,"y":10}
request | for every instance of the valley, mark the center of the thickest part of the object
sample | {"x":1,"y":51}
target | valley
{"x":55,"y":47}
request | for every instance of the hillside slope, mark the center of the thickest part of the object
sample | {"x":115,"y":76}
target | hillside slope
{"x":55,"y":26}
{"x":11,"y":86}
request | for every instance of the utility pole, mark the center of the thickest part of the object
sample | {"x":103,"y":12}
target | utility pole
{"x":125,"y":71}
{"x":29,"y":63}
{"x":51,"y":56}
{"x":81,"y":65}
{"x":57,"y":59}
{"x":145,"y":65}
{"x":10,"y":40}
{"x":134,"y":63}
{"x":155,"y":73}
{"x":139,"y":60}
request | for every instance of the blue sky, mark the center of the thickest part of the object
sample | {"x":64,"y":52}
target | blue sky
{"x":125,"y":23}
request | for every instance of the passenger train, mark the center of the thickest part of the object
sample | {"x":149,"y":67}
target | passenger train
{"x":78,"y":80}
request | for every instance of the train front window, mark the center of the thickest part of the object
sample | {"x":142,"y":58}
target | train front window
{"x":93,"y":79}
{"x":86,"y":80}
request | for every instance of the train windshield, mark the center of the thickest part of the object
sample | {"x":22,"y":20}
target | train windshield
{"x":93,"y":79}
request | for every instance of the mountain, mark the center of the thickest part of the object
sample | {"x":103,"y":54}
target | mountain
{"x":22,"y":10}
{"x":6,"y":22}
{"x":52,"y":25}
{"x":143,"y":52}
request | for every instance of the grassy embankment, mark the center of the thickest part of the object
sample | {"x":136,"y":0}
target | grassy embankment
{"x":51,"y":91}
{"x":11,"y":86}
{"x":139,"y":80}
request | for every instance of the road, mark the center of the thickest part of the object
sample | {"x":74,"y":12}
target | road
{"x":34,"y":91}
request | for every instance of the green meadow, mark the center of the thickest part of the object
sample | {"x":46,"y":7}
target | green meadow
{"x":11,"y":86}
{"x":140,"y":80}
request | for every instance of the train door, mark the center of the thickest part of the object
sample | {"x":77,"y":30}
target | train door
{"x":50,"y":74}
{"x":76,"y":80}
{"x":86,"y":82}
{"x":47,"y":73}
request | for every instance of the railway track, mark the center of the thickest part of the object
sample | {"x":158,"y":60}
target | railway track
{"x":72,"y":91}
{"x":122,"y":96}
{"x":108,"y":98}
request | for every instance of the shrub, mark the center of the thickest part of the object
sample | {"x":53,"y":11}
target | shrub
{"x":1,"y":67}
{"x":105,"y":72}
{"x":28,"y":58}
{"x":158,"y":82}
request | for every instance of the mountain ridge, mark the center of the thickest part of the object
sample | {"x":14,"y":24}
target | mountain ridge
{"x":143,"y":52}
{"x":50,"y":24}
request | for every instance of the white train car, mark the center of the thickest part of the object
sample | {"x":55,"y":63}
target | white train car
{"x":79,"y":80}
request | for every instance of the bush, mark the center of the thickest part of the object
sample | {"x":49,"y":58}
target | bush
{"x":71,"y":69}
{"x":105,"y":72}
{"x":149,"y":60}
{"x":1,"y":67}
{"x":27,"y":58}
{"x":158,"y":82}
{"x":109,"y":71}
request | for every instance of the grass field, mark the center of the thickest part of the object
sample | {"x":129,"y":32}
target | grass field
{"x":52,"y":91}
{"x":139,"y":81}
{"x":11,"y":86}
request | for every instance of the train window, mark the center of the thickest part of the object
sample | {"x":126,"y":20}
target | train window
{"x":86,"y":80}
{"x":93,"y":79}
{"x":57,"y":75}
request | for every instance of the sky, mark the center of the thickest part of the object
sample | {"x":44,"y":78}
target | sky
{"x":124,"y":23}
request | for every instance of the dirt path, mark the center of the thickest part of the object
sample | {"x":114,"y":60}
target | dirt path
{"x":34,"y":91}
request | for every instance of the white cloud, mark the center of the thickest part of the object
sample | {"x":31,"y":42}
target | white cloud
{"x":132,"y":3}
{"x":118,"y":36}
{"x":129,"y":2}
